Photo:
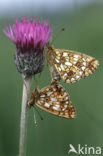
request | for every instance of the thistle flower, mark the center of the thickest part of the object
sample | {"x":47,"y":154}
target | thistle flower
{"x":30,"y":37}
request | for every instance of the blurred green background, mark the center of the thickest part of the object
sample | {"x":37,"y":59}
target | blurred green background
{"x":52,"y":136}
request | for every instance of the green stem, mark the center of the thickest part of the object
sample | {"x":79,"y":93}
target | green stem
{"x":23,"y":123}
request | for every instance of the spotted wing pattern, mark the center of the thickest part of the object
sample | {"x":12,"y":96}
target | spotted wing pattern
{"x":70,"y":65}
{"x":54,"y":99}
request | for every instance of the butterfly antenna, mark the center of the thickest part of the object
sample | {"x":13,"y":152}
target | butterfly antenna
{"x":38,"y":113}
{"x":63,"y":29}
{"x":36,"y":84}
{"x":35,"y":121}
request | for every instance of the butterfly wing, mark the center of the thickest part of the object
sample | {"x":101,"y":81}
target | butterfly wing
{"x":71,"y":65}
{"x":55,"y":100}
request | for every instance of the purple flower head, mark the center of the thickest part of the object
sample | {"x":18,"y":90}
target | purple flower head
{"x":30,"y":37}
{"x":29,"y":33}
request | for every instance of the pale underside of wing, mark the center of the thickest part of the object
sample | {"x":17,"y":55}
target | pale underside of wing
{"x":72,"y":66}
{"x":55,"y":100}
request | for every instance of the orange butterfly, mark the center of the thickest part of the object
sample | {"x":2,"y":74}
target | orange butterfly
{"x":68,"y":65}
{"x":53,"y":99}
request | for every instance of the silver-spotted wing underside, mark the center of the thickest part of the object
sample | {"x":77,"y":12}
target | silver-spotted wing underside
{"x":54,"y":99}
{"x":70,"y":66}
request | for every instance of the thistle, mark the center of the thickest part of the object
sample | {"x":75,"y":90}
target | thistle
{"x":30,"y":37}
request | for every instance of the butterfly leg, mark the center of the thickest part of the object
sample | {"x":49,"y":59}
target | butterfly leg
{"x":38,"y":113}
{"x":36,"y":83}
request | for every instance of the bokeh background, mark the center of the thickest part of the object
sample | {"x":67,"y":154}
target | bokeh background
{"x":83,"y":20}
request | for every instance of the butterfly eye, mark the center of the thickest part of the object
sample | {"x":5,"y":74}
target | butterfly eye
{"x":30,"y":102}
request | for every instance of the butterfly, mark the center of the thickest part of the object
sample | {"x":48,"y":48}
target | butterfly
{"x":69,"y":66}
{"x":53,"y":99}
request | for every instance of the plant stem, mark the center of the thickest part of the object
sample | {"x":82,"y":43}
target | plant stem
{"x":23,"y":123}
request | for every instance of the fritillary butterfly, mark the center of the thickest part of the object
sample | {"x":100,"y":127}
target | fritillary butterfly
{"x":68,"y":65}
{"x":53,"y":99}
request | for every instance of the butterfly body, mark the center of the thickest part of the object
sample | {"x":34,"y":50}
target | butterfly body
{"x":69,"y":65}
